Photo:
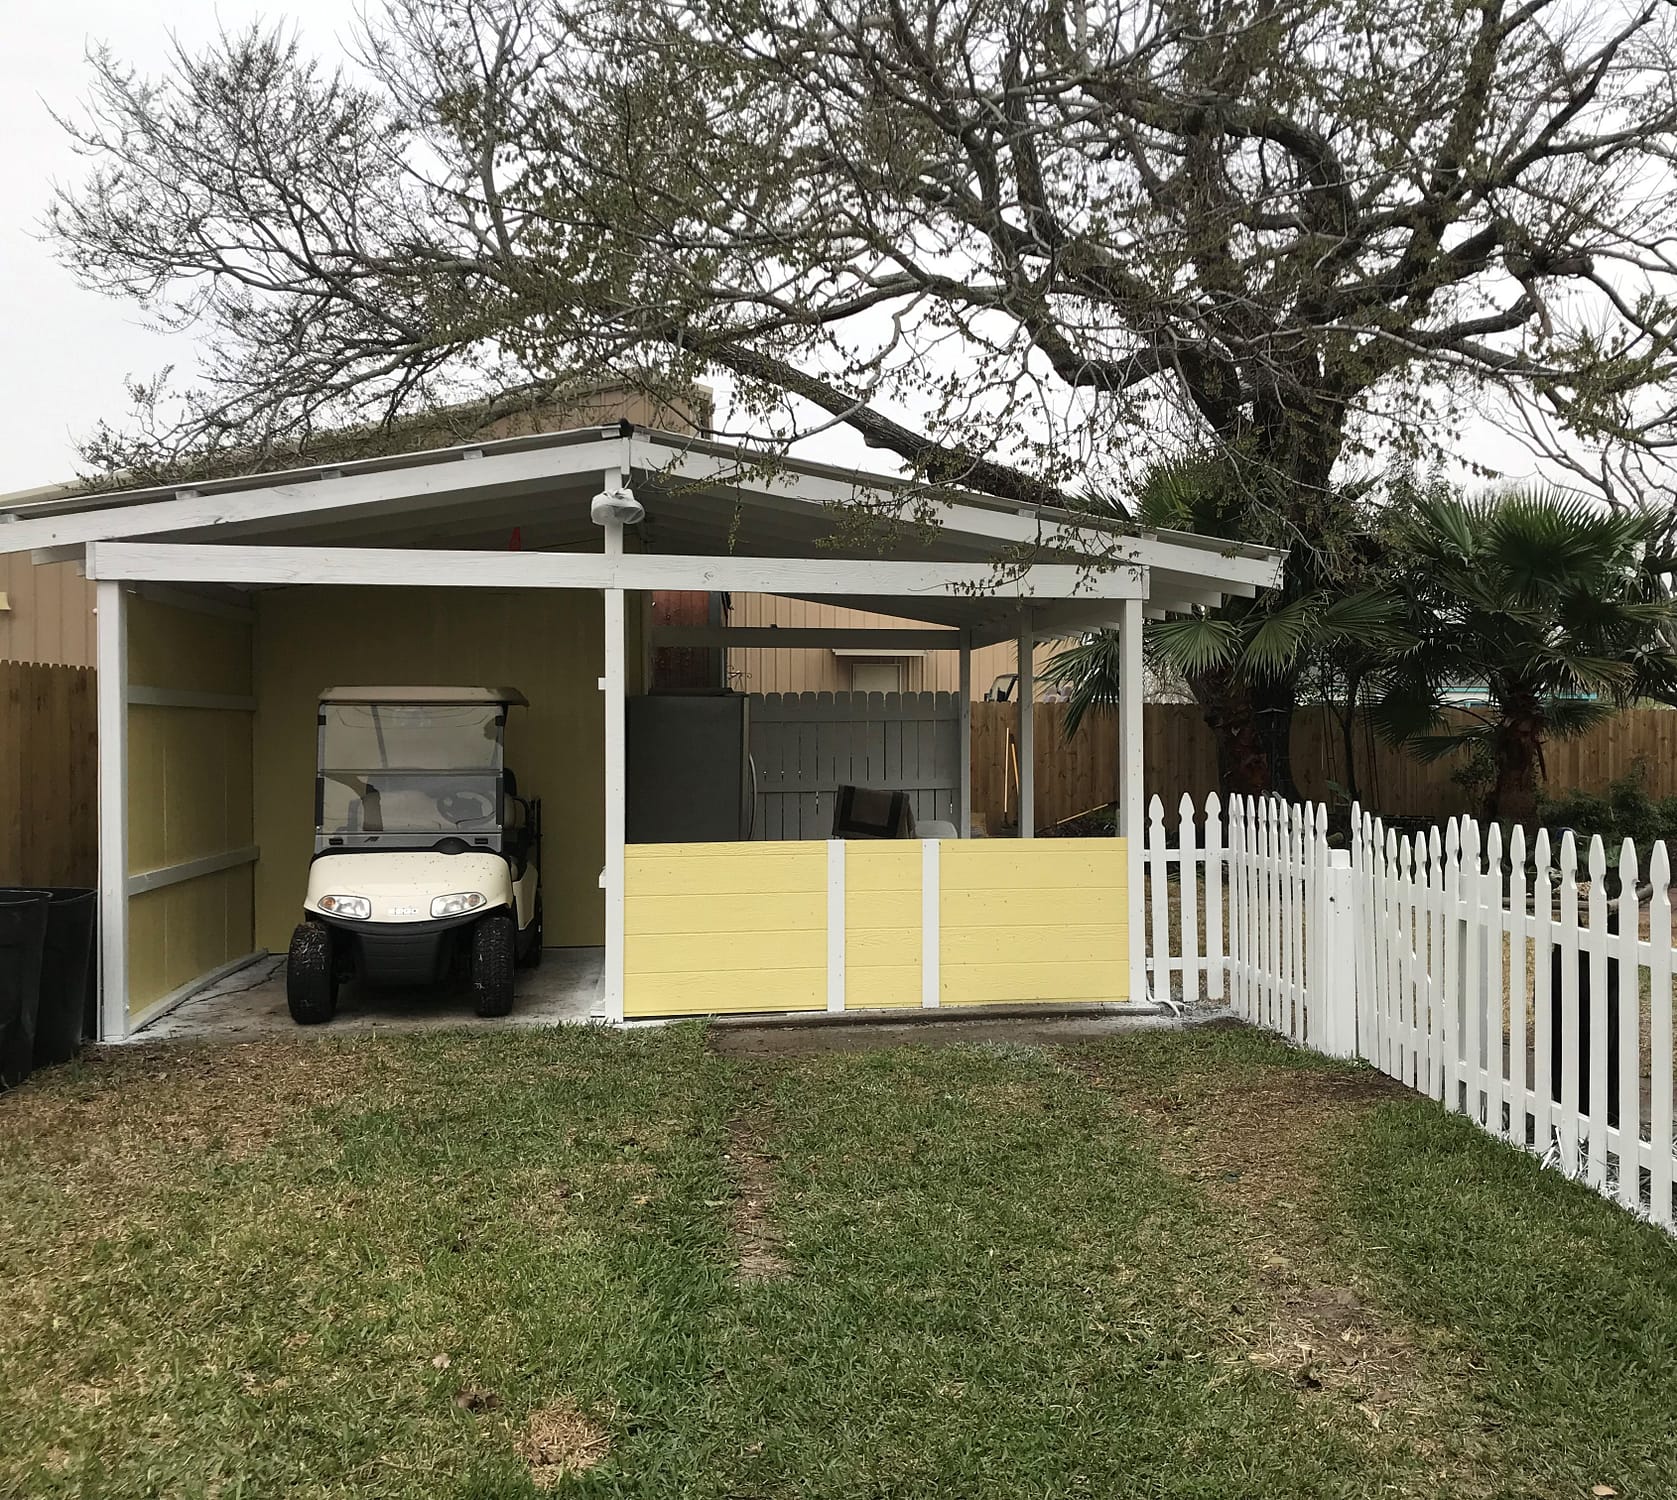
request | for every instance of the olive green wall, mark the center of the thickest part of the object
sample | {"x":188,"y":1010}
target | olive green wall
{"x":547,"y":643}
{"x":189,"y":797}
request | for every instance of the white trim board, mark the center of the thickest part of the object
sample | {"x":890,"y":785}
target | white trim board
{"x":155,"y":697}
{"x":191,"y":869}
{"x":166,"y":561}
{"x":298,"y":500}
{"x":777,"y":637}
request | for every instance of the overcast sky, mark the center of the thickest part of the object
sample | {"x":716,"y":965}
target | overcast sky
{"x":68,"y":353}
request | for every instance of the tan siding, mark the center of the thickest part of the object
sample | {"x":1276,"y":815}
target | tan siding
{"x":756,"y":670}
{"x":50,"y":613}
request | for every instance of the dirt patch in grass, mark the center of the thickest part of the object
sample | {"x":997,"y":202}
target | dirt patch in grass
{"x":757,"y":1241}
{"x":560,"y":1440}
{"x":1255,"y":1141}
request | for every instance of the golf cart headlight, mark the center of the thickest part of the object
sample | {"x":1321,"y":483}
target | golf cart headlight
{"x":356,"y":908}
{"x":458,"y":903}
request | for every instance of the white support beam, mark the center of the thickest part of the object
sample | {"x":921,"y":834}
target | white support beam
{"x":1025,"y":693}
{"x":191,"y":869}
{"x":614,"y":685}
{"x":965,"y":749}
{"x":111,"y":632}
{"x":229,"y":563}
{"x":777,"y":637}
{"x":1131,"y":766}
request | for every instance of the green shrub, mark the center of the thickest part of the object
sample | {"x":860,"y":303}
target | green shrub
{"x":1624,"y":810}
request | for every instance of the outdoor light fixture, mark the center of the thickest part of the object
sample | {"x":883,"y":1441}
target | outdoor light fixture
{"x":617,"y":505}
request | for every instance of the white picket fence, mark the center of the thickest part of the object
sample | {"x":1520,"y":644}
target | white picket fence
{"x":1501,"y":981}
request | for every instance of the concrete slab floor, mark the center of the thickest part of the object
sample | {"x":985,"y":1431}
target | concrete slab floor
{"x":564,"y":990}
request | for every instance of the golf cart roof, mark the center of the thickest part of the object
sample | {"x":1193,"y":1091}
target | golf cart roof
{"x":510,"y":696}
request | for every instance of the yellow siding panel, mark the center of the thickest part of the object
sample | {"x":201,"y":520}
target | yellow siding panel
{"x":713,"y":930}
{"x":179,"y":932}
{"x":882,"y":924}
{"x":1040,"y":920}
{"x":186,"y":648}
{"x":1050,"y":983}
{"x":651,"y":916}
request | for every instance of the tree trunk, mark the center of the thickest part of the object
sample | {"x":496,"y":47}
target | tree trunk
{"x":1274,"y":703}
{"x":1243,"y":767}
{"x":1348,"y":735}
{"x":1517,"y":752}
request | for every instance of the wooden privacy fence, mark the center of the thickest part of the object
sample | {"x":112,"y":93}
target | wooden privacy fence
{"x":48,"y":775}
{"x":805,"y":746}
{"x":1076,"y":775}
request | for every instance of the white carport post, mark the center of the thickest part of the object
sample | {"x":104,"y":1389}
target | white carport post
{"x":111,"y":633}
{"x":1131,"y":761}
{"x":1025,"y":692}
{"x":614,"y":686}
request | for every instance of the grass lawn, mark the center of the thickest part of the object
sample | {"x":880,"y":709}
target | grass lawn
{"x":450,"y":1265}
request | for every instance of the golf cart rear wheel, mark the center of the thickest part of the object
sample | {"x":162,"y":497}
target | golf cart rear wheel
{"x":311,"y":982}
{"x":493,"y":942}
{"x":530,"y":943}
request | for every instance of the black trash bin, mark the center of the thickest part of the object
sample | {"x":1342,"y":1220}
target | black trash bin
{"x":67,"y":974}
{"x":23,"y":935}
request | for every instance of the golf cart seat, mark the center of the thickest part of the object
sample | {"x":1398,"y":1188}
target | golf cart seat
{"x":521,"y":826}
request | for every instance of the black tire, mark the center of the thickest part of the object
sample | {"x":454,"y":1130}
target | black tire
{"x":493,"y":942}
{"x":530,"y":953}
{"x":311,"y":982}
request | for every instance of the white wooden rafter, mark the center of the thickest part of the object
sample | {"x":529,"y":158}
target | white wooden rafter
{"x":416,"y":568}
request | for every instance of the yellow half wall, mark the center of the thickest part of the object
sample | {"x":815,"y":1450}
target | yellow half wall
{"x":739,"y":928}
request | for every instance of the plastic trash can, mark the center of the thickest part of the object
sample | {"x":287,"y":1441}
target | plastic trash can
{"x":23,"y":935}
{"x":67,"y":974}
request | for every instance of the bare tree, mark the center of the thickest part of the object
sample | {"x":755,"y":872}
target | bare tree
{"x":1022,"y":245}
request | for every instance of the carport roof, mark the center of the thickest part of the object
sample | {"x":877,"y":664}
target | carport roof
{"x":702,"y":498}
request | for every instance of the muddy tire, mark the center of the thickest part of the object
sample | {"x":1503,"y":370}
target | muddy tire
{"x":311,"y":982}
{"x":530,"y":940}
{"x":494,"y":940}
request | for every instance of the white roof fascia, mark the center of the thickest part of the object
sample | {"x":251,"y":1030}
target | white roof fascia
{"x":404,"y":490}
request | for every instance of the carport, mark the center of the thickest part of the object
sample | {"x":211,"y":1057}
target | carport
{"x":224,"y":609}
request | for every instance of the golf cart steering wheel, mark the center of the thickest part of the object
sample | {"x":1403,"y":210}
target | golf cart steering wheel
{"x":466,"y":807}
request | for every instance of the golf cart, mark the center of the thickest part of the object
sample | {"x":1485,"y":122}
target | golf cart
{"x":426,"y":860}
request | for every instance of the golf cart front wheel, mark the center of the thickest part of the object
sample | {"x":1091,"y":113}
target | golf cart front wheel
{"x":311,"y":983}
{"x":494,"y":940}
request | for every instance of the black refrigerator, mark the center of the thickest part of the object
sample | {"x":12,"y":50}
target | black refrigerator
{"x":691,"y":779}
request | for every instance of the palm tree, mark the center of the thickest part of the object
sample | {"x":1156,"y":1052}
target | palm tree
{"x":1243,"y":660}
{"x":1560,"y":607}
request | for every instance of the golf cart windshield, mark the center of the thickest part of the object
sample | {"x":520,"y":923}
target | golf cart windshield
{"x":409,"y":775}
